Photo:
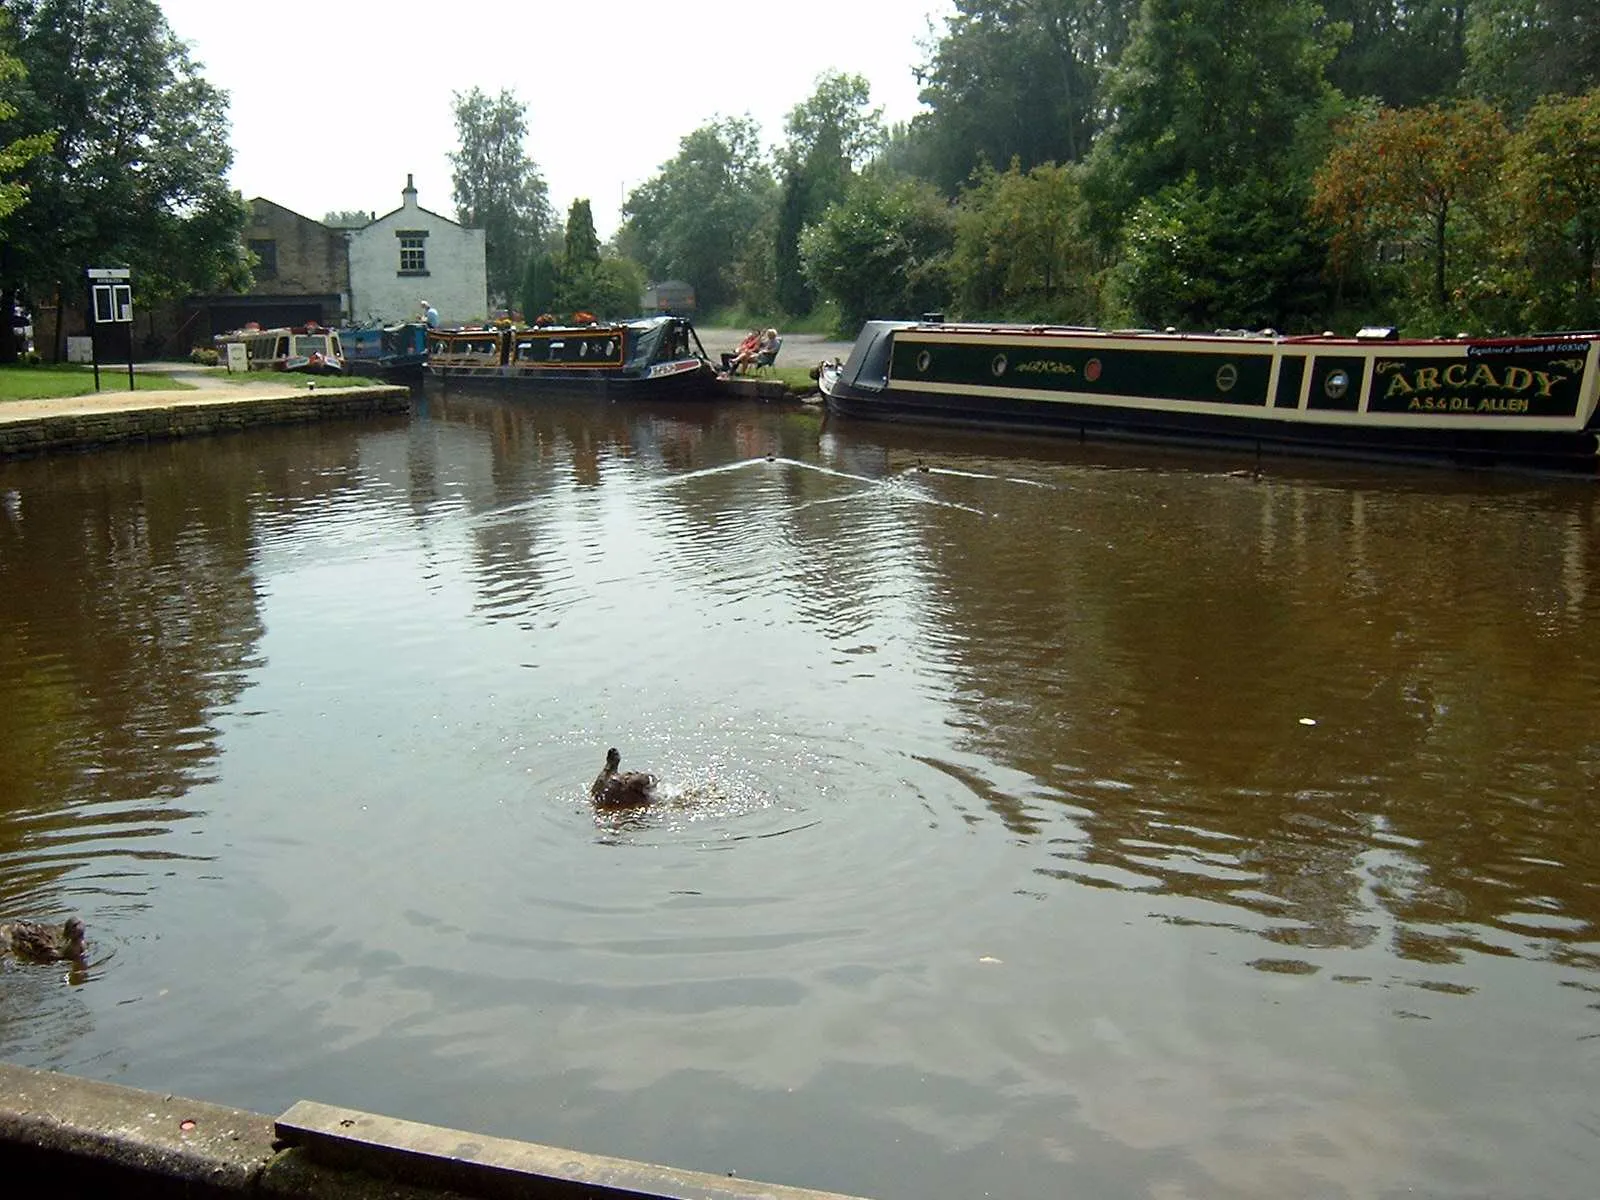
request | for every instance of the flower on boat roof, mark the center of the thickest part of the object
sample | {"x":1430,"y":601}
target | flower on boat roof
{"x":544,"y":319}
{"x":583,"y":318}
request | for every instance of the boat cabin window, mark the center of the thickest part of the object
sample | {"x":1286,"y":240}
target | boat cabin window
{"x":587,"y":351}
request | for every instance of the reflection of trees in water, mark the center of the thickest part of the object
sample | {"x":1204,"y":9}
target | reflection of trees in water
{"x":541,"y":449}
{"x":130,"y":621}
{"x":1145,"y":645}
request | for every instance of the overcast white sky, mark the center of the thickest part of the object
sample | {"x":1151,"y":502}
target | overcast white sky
{"x":332,"y":107}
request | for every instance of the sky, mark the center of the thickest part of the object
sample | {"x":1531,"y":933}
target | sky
{"x":332,"y":112}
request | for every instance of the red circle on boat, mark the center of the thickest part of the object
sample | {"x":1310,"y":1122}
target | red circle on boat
{"x":1091,"y":370}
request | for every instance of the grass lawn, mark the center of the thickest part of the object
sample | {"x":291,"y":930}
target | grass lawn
{"x":796,"y":378}
{"x":49,"y":380}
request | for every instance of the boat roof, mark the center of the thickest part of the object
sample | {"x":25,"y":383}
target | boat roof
{"x":636,"y":323}
{"x":1366,"y":335}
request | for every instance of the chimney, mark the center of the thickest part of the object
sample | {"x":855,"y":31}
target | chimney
{"x":409,"y":196}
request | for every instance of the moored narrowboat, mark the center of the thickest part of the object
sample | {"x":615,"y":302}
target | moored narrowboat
{"x":1495,"y":402}
{"x":309,"y":347}
{"x":646,"y":357}
{"x":392,"y":352}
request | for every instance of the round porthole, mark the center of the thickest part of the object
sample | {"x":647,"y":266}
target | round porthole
{"x":1091,"y":370}
{"x":1227,"y":376}
{"x":1336,"y":384}
{"x":924,"y":360}
{"x":998,"y":366}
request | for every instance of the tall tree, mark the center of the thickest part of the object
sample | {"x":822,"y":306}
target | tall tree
{"x":830,"y":135}
{"x":497,"y":187}
{"x":1553,"y":182}
{"x":13,"y":195}
{"x":16,"y":154}
{"x":582,"y":243}
{"x":883,"y":251}
{"x":1519,"y":50}
{"x":1213,"y":89}
{"x":1416,"y":180}
{"x":1399,"y":52}
{"x":1018,"y":79}
{"x":135,"y":174}
{"x":692,"y":218}
{"x":1021,"y":249}
{"x":1234,"y":256}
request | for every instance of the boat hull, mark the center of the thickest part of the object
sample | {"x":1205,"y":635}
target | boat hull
{"x":614,"y":386}
{"x":1525,"y":403}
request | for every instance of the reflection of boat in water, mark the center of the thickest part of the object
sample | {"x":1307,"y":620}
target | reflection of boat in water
{"x":395,"y":352}
{"x":648,"y":357}
{"x":1528,"y":401}
{"x":307,"y":347}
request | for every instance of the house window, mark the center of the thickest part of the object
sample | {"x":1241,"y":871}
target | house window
{"x":266,"y":252}
{"x":413,"y":251}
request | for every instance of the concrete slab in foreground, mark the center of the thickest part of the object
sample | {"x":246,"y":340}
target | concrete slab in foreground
{"x":82,"y":1137}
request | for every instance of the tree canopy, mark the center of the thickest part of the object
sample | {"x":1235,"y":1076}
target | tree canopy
{"x":16,"y":154}
{"x":692,"y":219}
{"x":496,"y":186}
{"x":830,"y":135}
{"x":134,"y":173}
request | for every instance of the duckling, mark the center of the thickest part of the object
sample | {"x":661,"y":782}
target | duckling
{"x":617,"y":788}
{"x":42,"y":943}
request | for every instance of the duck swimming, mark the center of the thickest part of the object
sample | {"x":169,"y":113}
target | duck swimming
{"x":617,"y":788}
{"x":42,"y":943}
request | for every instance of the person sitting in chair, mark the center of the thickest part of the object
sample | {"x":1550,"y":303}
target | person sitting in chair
{"x":766,"y":343}
{"x":744,"y":354}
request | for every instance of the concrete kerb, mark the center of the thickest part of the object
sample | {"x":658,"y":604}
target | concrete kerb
{"x":130,"y":1142}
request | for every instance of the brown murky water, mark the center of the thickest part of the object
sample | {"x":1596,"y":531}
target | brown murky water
{"x":1051,"y":820}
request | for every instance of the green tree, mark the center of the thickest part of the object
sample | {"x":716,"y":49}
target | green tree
{"x":1404,"y":185}
{"x":346,"y":218}
{"x":1552,"y":178}
{"x":1017,"y":79}
{"x":135,"y":173}
{"x":883,"y":251}
{"x":1213,"y":89}
{"x":830,"y":135}
{"x":691,"y":220}
{"x":497,"y":187}
{"x":585,"y":280}
{"x":1021,"y":249}
{"x":1234,"y":257}
{"x":582,"y":246}
{"x":1398,"y":52}
{"x":1520,"y":50}
{"x":13,"y":194}
{"x":541,"y":284}
{"x":16,"y":154}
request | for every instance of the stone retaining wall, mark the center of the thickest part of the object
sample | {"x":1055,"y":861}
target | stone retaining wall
{"x":86,"y":430}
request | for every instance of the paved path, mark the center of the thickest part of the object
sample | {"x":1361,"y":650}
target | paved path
{"x":798,"y":350}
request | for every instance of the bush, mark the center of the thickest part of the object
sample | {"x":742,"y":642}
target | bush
{"x":205,"y":356}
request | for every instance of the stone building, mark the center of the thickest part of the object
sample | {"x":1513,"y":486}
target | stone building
{"x":412,"y":254}
{"x":302,"y":273}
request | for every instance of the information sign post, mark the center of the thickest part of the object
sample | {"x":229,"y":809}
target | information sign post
{"x":111,"y":303}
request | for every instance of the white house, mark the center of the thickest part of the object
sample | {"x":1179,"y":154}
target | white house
{"x":411,"y":255}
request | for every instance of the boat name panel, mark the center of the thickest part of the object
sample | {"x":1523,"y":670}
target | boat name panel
{"x":1521,"y":382}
